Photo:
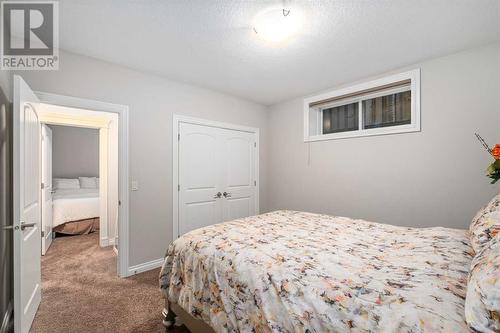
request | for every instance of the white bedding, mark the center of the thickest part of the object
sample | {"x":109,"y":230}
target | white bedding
{"x":74,"y":204}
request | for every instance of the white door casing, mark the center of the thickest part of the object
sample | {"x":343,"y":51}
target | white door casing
{"x":215,"y":173}
{"x":27,"y":250}
{"x":47,"y":188}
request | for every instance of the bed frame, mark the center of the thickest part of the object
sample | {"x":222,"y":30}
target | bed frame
{"x":174,"y":315}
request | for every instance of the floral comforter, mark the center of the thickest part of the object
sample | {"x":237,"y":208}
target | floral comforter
{"x":289,"y":271}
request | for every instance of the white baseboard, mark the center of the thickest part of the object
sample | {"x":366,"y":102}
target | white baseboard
{"x":144,"y":267}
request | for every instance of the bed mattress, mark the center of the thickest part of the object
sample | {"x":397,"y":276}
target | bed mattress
{"x":289,"y":271}
{"x":74,"y":205}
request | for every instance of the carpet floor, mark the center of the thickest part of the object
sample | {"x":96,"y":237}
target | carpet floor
{"x":81,"y":292}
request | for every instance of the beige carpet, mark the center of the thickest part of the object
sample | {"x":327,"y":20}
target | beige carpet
{"x":82,"y":293}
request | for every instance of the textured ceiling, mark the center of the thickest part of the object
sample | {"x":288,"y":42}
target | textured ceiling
{"x":211,"y":43}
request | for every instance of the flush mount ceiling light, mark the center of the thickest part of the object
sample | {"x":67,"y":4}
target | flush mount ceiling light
{"x":277,"y":24}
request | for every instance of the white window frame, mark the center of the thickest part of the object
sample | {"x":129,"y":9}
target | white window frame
{"x":414,"y":86}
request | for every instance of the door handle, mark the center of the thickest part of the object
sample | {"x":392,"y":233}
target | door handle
{"x":53,"y":191}
{"x":218,"y":195}
{"x":27,"y":225}
{"x":226,"y":195}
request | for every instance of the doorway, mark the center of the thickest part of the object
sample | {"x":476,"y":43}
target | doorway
{"x":83,"y":195}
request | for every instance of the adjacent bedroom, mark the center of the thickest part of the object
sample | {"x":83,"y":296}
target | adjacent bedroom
{"x":75,"y":179}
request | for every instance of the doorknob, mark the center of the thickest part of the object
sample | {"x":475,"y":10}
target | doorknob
{"x":226,"y":195}
{"x":23,"y":226}
{"x":27,"y":225}
{"x":218,"y":195}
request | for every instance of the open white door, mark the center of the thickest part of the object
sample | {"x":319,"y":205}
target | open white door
{"x":27,"y":275}
{"x":46,"y":188}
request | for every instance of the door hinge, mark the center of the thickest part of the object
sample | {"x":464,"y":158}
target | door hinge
{"x":178,"y":187}
{"x":178,"y":136}
{"x":254,"y":183}
{"x":119,"y":202}
{"x":43,"y":233}
{"x":255,"y":144}
{"x":42,"y":186}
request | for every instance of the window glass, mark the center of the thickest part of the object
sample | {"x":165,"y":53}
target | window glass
{"x":390,"y":110}
{"x":340,"y":118}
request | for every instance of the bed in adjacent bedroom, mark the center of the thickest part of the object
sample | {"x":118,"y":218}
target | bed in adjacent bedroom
{"x":290,"y":271}
{"x":75,"y":210}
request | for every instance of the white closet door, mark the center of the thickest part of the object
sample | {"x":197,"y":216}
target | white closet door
{"x":216,"y":175}
{"x":199,"y":177}
{"x":238,"y":177}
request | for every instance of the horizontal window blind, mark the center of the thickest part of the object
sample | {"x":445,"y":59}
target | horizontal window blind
{"x":360,"y":95}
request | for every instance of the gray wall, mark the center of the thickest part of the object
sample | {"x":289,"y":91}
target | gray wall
{"x":75,"y":152}
{"x":152,"y":101}
{"x":431,"y":178}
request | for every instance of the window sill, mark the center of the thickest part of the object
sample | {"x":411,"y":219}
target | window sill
{"x":364,"y":133}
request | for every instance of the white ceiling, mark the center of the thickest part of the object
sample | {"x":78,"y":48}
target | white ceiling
{"x":211,"y":43}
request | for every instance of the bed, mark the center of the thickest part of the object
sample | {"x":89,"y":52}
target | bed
{"x":75,"y":211}
{"x":289,"y":271}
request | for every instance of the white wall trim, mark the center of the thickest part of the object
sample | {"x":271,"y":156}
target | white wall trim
{"x":144,"y":267}
{"x":103,"y":184}
{"x":177,"y":119}
{"x":123,"y":164}
{"x":56,"y":118}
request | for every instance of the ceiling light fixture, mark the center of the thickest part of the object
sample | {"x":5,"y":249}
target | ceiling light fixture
{"x":277,"y":24}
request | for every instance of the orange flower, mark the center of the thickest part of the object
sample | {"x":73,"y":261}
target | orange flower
{"x":496,"y":151}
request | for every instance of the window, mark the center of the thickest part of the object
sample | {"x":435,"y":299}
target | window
{"x":384,"y":106}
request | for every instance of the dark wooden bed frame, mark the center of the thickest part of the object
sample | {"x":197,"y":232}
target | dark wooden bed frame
{"x":174,"y":315}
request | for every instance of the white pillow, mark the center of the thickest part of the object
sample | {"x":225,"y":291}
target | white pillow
{"x":88,"y":182}
{"x":65,"y":183}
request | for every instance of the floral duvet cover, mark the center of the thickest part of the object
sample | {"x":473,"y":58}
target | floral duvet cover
{"x":290,"y":271}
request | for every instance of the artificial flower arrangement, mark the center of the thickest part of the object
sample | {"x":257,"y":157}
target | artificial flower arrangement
{"x":493,"y":170}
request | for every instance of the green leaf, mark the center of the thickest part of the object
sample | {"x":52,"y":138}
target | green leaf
{"x":491,"y":169}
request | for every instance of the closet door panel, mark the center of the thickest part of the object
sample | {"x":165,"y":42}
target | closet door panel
{"x":239,"y":160}
{"x":199,"y":177}
{"x":238,"y":149}
{"x":235,"y":208}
